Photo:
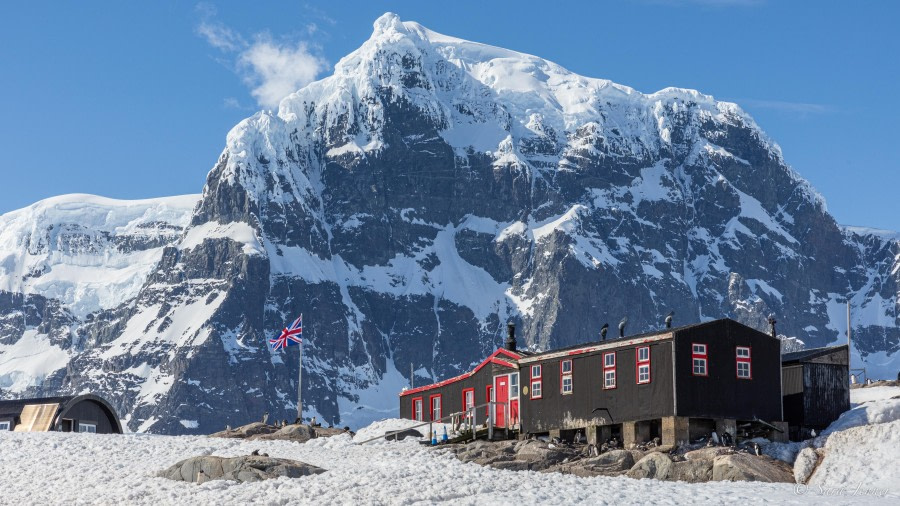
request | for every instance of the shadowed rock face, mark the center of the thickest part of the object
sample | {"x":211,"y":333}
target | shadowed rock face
{"x":413,"y":203}
{"x":243,"y":469}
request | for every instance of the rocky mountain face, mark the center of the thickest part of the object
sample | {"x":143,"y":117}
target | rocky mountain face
{"x":409,"y":206}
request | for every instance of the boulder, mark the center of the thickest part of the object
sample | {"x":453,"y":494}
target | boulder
{"x":541,"y":453}
{"x":806,"y":463}
{"x":745,"y":467}
{"x":707,"y":453}
{"x":298,"y":433}
{"x":243,"y":432}
{"x":696,"y":470}
{"x":613,"y":461}
{"x":653,"y":465}
{"x":243,"y":469}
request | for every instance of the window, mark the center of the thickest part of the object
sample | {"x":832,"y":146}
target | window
{"x":536,"y":382}
{"x":514,"y":385}
{"x":4,"y":425}
{"x":699,"y":359}
{"x":742,"y":354}
{"x":643,"y":364}
{"x":87,"y":427}
{"x":435,"y":407}
{"x":417,"y":411}
{"x":468,"y":398}
{"x":609,"y":370}
{"x":489,"y":396}
{"x":565,"y":377}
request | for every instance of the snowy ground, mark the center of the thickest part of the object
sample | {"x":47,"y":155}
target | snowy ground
{"x":57,"y":468}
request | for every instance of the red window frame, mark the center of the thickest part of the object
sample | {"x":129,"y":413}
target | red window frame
{"x":564,"y":374}
{"x":536,"y":380}
{"x":609,"y":368}
{"x":464,"y":392}
{"x":745,"y":360}
{"x":420,"y":399}
{"x":640,"y":363}
{"x":431,"y":399}
{"x":695,"y":355}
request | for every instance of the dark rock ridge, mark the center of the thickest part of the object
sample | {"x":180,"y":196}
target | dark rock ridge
{"x":416,"y":200}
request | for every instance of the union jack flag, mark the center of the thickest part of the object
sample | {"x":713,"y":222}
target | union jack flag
{"x":289,"y":336}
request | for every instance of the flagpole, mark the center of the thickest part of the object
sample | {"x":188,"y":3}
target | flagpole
{"x":300,"y":378}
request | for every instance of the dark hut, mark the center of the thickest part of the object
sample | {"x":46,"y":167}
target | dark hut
{"x":815,"y":387}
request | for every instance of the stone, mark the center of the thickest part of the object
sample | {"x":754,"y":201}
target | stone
{"x":745,"y":467}
{"x":245,"y":431}
{"x":707,"y":453}
{"x":247,"y":468}
{"x":696,"y":470}
{"x":614,"y":461}
{"x":653,"y":465}
{"x":805,"y":465}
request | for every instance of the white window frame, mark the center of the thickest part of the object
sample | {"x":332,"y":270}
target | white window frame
{"x":609,"y":378}
{"x":469,"y":399}
{"x":607,"y":364}
{"x":440,"y":413}
{"x":5,"y":425}
{"x":419,"y":408}
{"x":537,"y":368}
{"x":699,"y":359}
{"x":537,"y":389}
{"x":743,"y":358}
{"x":566,"y":382}
{"x":514,"y":385}
{"x":89,"y":428}
{"x":643,"y":365}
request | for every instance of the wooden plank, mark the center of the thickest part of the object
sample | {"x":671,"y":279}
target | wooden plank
{"x":37,"y":417}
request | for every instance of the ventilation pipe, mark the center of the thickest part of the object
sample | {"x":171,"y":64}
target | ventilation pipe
{"x":603,"y":331}
{"x":772,"y":323}
{"x":622,"y":326}
{"x":511,"y":336}
{"x":669,"y":319}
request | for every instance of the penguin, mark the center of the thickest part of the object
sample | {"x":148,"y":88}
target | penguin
{"x":756,"y":449}
{"x":254,"y":452}
{"x":715,"y":438}
{"x":265,"y":417}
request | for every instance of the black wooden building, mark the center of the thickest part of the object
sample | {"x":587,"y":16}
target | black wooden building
{"x":816,"y":387}
{"x":675,"y":384}
{"x":81,"y":413}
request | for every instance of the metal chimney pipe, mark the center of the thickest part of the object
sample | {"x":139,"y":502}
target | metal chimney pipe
{"x":772,"y":323}
{"x":511,"y":336}
{"x":622,"y":326}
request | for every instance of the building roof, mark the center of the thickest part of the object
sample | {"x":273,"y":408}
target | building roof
{"x":15,"y":406}
{"x":806,"y":355}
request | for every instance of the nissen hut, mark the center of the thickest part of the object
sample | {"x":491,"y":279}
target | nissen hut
{"x":81,"y":413}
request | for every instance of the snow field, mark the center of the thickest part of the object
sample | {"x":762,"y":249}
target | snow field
{"x":120,"y":469}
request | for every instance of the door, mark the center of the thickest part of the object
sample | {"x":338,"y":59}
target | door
{"x":501,"y":396}
{"x":514,"y":399}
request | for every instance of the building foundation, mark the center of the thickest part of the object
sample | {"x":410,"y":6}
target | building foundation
{"x":675,"y":430}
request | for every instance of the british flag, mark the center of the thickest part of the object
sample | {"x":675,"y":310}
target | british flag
{"x":289,"y":336}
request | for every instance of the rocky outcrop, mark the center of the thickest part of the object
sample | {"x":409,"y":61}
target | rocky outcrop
{"x":243,"y":469}
{"x":654,"y":465}
{"x":744,"y":467}
{"x":294,"y":432}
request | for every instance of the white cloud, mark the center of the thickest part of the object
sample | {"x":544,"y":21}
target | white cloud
{"x":272,"y":69}
{"x":275,"y":71}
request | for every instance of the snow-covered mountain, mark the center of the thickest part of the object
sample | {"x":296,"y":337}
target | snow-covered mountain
{"x":409,"y":205}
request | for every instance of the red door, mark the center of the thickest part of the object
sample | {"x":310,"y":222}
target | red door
{"x":513,"y":411}
{"x":501,"y":396}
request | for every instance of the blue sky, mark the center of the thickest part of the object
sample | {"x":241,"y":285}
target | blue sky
{"x":133,"y":100}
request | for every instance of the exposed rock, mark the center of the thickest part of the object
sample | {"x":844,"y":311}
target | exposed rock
{"x":806,"y":463}
{"x":243,"y":469}
{"x":653,"y":465}
{"x":542,"y":455}
{"x":744,"y":467}
{"x":707,"y":453}
{"x":609,"y":462}
{"x":696,"y":470}
{"x":246,"y":431}
{"x":400,"y":436}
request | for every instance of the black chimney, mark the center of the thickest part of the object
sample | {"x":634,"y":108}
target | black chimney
{"x":603,"y":330}
{"x":511,"y":336}
{"x":772,"y":323}
{"x":622,"y":326}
